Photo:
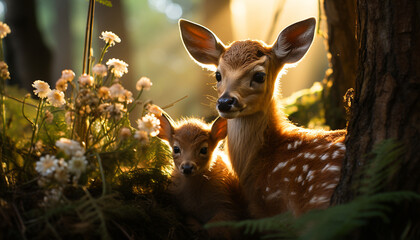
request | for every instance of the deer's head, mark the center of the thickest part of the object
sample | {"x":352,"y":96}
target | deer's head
{"x":192,"y":142}
{"x":246,"y":71}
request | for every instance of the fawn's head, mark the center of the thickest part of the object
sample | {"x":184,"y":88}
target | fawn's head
{"x":192,"y":142}
{"x":246,"y":71}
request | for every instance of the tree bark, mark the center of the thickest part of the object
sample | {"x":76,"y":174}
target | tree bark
{"x":387,"y":99}
{"x":342,"y":47}
{"x":27,"y":55}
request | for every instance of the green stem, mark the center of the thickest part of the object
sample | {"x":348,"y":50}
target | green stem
{"x":103,"y":52}
{"x":35,"y":126}
{"x":3,"y":107}
{"x":101,"y":169}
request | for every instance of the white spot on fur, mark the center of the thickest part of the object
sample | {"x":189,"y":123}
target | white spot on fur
{"x":267,"y":189}
{"x":315,"y":140}
{"x":292,"y":168}
{"x":310,"y":188}
{"x":307,"y":155}
{"x":286,"y":179}
{"x":326,"y":167}
{"x":310,"y":175}
{"x":293,"y":193}
{"x":324,"y":157}
{"x":273,"y":195}
{"x":305,"y":167}
{"x":299,"y":155}
{"x":289,"y":146}
{"x":331,"y":186}
{"x":312,"y":156}
{"x":336,"y":154}
{"x":334,"y":168}
{"x":318,"y":199}
{"x":300,"y":178}
{"x":280,"y":165}
{"x":342,"y":146}
{"x":319,"y":147}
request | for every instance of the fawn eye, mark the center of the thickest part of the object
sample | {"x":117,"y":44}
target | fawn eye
{"x":258,"y":77}
{"x":218,"y":76}
{"x":177,"y":149}
{"x":203,"y":150}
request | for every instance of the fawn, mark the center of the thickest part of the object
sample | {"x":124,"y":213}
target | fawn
{"x":281,"y":167}
{"x":206,"y":190}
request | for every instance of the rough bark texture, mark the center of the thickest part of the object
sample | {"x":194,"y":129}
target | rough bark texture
{"x":27,"y":55}
{"x":342,"y":48}
{"x":387,"y":100}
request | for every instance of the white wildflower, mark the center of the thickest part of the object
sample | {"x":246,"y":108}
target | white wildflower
{"x":118,"y":91}
{"x":152,"y":108}
{"x":150,"y":124}
{"x":68,"y":75}
{"x":46,"y":165}
{"x":86,"y":80}
{"x":77,"y":165}
{"x":143,"y":83}
{"x":56,"y":98}
{"x":110,"y":38}
{"x":100,"y":70}
{"x":103,"y":92}
{"x":41,"y":88}
{"x":4,"y":30}
{"x":118,"y":67}
{"x":142,"y":137}
{"x":70,"y":147}
{"x":61,"y":84}
{"x":124,"y":133}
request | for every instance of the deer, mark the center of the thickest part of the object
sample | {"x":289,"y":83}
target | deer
{"x":203,"y":185}
{"x":281,"y":167}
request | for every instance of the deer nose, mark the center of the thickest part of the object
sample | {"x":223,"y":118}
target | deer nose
{"x":224,"y":104}
{"x":187,"y":169}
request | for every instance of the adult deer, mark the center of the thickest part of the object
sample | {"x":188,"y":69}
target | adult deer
{"x":280,"y":166}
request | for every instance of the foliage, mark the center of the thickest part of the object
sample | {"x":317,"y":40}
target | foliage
{"x":72,"y":165}
{"x":337,"y":222}
{"x":305,"y":107}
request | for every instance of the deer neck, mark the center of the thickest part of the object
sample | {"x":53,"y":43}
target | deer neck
{"x":247,"y":136}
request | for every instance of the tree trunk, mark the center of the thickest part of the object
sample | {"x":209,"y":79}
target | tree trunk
{"x":63,"y":54}
{"x":387,"y":100}
{"x":342,"y":47}
{"x":27,"y":55}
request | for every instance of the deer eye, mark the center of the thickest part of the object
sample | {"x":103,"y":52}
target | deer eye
{"x":176,"y":150}
{"x":258,"y":77}
{"x":203,"y":150}
{"x":218,"y":76}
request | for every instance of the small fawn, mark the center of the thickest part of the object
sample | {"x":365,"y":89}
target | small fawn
{"x":281,"y":167}
{"x":206,"y":190}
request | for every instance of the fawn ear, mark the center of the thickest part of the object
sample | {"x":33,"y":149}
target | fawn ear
{"x":294,"y":41}
{"x":202,"y":45}
{"x":166,"y":129}
{"x":219,"y":129}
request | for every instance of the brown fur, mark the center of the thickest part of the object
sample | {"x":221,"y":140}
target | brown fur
{"x":211,"y":193}
{"x":281,"y":167}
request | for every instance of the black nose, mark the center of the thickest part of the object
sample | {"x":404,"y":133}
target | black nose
{"x":224,"y":104}
{"x":187,"y":169}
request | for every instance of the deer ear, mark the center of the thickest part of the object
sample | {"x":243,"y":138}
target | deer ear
{"x":202,"y":45}
{"x":294,"y":41}
{"x":166,"y":129}
{"x":219,"y":129}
